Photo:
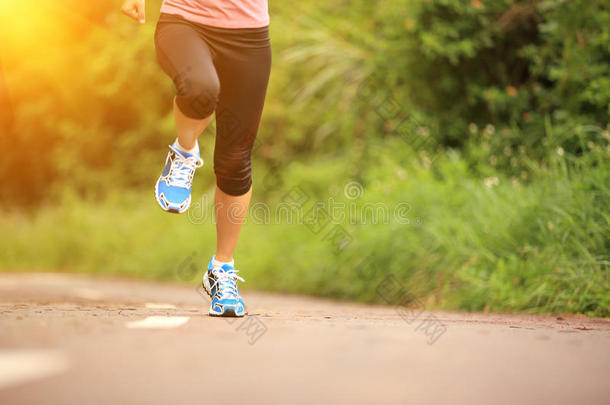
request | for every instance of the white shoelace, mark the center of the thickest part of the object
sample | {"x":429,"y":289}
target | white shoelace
{"x":227,"y":283}
{"x":182,"y":169}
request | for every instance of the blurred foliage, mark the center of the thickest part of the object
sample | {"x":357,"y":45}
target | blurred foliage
{"x":92,"y":108}
{"x":489,"y":117}
{"x":516,"y":68}
{"x":461,"y":242}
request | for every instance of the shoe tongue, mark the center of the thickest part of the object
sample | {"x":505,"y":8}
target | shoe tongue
{"x":225,"y":268}
{"x":187,"y":155}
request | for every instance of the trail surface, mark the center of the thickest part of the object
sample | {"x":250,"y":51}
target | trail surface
{"x":68,"y":339}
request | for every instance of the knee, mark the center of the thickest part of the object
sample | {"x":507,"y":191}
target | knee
{"x":197,"y":95}
{"x":234,"y":173}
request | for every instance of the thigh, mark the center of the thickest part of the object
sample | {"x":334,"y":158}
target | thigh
{"x":183,"y":54}
{"x":243,"y":76}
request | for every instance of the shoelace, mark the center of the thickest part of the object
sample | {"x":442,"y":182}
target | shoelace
{"x":182,"y":169}
{"x":226,"y":281}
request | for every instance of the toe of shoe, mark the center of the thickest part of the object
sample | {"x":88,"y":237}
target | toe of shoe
{"x":172,"y":198}
{"x":228,"y":306}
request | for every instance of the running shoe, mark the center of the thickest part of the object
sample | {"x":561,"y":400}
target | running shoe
{"x":221,"y":285}
{"x":173,"y":189}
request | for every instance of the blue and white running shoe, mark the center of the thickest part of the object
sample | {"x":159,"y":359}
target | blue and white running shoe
{"x":173,"y":189}
{"x":221,"y":284}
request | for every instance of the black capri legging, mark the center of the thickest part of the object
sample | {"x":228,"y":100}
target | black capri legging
{"x":222,"y":70}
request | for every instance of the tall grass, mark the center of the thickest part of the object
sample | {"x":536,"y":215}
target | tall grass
{"x":459,"y":241}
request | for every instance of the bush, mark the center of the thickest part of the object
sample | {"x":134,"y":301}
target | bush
{"x":534,"y":72}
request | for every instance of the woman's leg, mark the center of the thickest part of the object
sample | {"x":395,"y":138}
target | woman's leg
{"x":186,"y":58}
{"x":243,"y":75}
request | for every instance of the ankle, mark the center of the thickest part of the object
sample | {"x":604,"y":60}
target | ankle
{"x":219,"y":260}
{"x":187,"y":148}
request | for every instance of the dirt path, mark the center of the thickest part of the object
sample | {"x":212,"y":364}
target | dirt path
{"x":74,"y":340}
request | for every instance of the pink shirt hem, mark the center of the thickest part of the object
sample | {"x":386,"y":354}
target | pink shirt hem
{"x":205,"y":17}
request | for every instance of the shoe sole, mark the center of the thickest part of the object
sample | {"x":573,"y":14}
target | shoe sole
{"x":229,"y":312}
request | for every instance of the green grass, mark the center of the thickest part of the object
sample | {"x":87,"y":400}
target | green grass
{"x":539,"y":248}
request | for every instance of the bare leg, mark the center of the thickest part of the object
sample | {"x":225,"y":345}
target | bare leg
{"x":188,"y":129}
{"x":230,"y":214}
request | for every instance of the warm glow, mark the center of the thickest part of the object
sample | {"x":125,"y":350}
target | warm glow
{"x":40,"y":40}
{"x":28,"y":23}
